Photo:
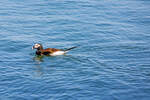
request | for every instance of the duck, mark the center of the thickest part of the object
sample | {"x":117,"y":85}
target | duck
{"x":50,"y":51}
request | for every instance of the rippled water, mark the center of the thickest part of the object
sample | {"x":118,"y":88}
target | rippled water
{"x":112,"y":61}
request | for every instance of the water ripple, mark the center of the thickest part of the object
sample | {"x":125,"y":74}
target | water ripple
{"x":111,"y":62}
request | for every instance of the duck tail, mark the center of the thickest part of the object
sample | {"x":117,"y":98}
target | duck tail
{"x":66,"y":50}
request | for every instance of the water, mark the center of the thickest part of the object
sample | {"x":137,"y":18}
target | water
{"x":112,"y":61}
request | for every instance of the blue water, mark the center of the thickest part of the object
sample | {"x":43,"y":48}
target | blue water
{"x":112,"y":61}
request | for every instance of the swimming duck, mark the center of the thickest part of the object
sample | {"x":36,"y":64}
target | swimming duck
{"x":49,"y":51}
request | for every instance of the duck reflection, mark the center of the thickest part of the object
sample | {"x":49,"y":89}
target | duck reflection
{"x":40,"y":60}
{"x":38,"y":69}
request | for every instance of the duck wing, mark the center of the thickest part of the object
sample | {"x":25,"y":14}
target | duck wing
{"x":49,"y":51}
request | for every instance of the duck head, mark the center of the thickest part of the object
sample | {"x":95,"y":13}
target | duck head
{"x":37,"y":46}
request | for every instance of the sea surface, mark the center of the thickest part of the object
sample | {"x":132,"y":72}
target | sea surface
{"x":112,"y":61}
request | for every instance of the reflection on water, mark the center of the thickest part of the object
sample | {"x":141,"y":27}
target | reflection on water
{"x":38,"y":59}
{"x":38,"y":69}
{"x":45,"y":63}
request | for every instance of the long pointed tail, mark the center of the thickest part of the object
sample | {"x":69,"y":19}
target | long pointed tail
{"x":66,"y":50}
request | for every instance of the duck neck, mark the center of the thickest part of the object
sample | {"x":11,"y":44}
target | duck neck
{"x":38,"y":52}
